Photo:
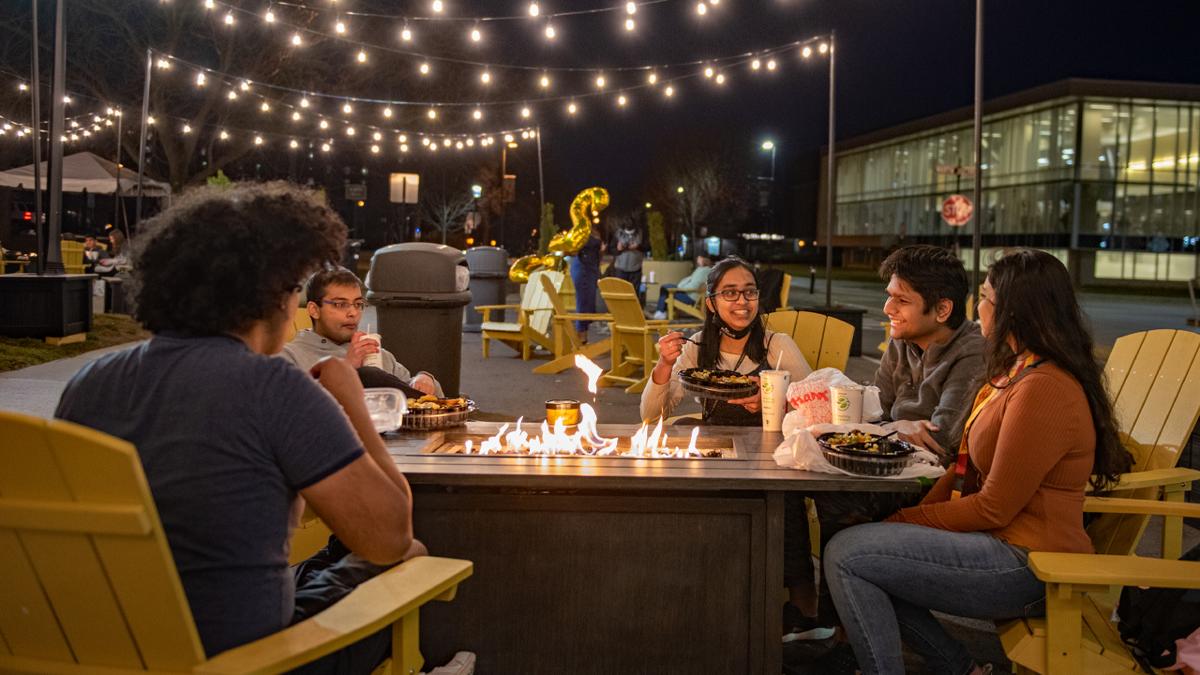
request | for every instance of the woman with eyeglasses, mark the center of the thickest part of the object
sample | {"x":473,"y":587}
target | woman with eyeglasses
{"x":733,"y":338}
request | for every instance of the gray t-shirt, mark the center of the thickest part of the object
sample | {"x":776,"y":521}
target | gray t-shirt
{"x":227,"y":438}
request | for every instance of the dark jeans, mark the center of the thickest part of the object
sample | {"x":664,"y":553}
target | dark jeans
{"x":836,"y":511}
{"x":328,"y":576}
{"x":888,"y":578}
{"x":662,"y":297}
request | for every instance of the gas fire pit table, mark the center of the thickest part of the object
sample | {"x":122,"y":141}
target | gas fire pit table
{"x":614,"y":564}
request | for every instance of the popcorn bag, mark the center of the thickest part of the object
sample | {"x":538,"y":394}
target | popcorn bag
{"x":809,"y":398}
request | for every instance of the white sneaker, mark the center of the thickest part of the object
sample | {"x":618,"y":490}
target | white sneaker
{"x":660,"y":315}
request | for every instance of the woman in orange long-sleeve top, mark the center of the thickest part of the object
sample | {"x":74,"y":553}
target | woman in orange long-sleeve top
{"x":1038,"y":432}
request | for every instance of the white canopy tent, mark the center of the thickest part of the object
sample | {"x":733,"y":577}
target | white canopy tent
{"x":86,"y":171}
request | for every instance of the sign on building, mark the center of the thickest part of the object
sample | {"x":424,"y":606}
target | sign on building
{"x":403,"y":188}
{"x":356,"y":191}
{"x":957,"y":210}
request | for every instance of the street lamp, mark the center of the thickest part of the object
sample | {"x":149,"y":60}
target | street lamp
{"x":770,"y":145}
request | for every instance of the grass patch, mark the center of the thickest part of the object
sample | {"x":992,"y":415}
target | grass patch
{"x":107,"y":330}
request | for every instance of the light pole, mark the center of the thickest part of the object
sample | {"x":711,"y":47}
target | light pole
{"x":770,"y":145}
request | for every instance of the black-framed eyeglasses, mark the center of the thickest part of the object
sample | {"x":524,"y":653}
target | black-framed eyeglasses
{"x":732,"y":294}
{"x":343,"y":305}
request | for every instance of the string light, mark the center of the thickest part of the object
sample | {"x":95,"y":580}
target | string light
{"x":162,"y":64}
{"x":294,"y":144}
{"x":22,"y":87}
{"x":806,"y":52}
{"x":377,"y":136}
{"x":324,"y":147}
{"x":720,"y":78}
{"x":258,"y":140}
{"x":432,"y":114}
{"x":265,"y":107}
{"x":652,"y":78}
{"x":755,"y":64}
{"x":296,"y":116}
{"x":544,"y":81}
{"x":526,"y":112}
{"x":476,"y":35}
{"x":244,"y":85}
{"x":232,"y":95}
{"x":404,"y":147}
{"x":823,"y":48}
{"x":621,"y":100}
{"x":347,"y":109}
{"x":201,"y":79}
{"x":406,"y":34}
{"x":709,"y":72}
{"x":374,"y":149}
{"x":350,"y":131}
{"x":485,"y":77}
{"x":304,"y":102}
{"x":631,"y":8}
{"x":387,"y":112}
{"x":269,"y":16}
{"x":229,"y":19}
{"x":630,"y":25}
{"x":403,"y":138}
{"x":187,"y":128}
{"x":296,"y":41}
{"x":459,"y":145}
{"x":224,"y":135}
{"x":550,"y":32}
{"x":446,"y":142}
{"x":669,"y":91}
{"x":771,"y":65}
{"x":572,"y":108}
{"x":209,"y":4}
{"x":340,"y":27}
{"x":534,"y":9}
{"x":362,"y":56}
{"x":424,"y":69}
{"x":477,"y":114}
{"x":600,"y":81}
{"x":701,"y":8}
{"x":438,"y":6}
{"x":324,"y":124}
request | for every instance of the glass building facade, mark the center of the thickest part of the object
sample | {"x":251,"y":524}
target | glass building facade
{"x":1099,"y":173}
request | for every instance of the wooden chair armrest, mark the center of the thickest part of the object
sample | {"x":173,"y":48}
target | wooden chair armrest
{"x":491,"y":307}
{"x":1144,"y":507}
{"x":1114,"y":570}
{"x":1155,"y":478}
{"x":572,"y":316}
{"x":374,"y":605}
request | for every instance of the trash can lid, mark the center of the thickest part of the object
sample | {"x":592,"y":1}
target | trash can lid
{"x":415,"y":267}
{"x":487,"y":259}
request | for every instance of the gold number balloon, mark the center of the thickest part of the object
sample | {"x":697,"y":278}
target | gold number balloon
{"x":585,"y":210}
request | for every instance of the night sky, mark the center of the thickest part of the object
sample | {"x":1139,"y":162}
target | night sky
{"x":897,"y":60}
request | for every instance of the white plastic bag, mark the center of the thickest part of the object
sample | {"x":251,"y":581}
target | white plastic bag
{"x":809,"y":398}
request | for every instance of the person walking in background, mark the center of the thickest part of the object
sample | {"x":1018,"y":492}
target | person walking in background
{"x":629,"y":249}
{"x":585,"y":273}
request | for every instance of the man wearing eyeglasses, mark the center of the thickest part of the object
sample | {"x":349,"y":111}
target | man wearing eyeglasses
{"x":335,"y":305}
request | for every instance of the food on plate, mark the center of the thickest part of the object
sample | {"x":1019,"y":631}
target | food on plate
{"x":430,"y":403}
{"x":718,"y":377}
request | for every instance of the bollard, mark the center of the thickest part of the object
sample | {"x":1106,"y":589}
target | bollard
{"x":812,"y":280}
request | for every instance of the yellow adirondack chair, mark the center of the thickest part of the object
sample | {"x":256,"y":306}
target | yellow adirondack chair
{"x":532,"y":326}
{"x":88,"y":584}
{"x":695,"y":309}
{"x":565,"y":339}
{"x":72,"y":257}
{"x":634,"y":338}
{"x":1154,"y":380}
{"x":300,"y":321}
{"x":824,"y":340}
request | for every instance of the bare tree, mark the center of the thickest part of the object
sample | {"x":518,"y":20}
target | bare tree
{"x":701,"y":186}
{"x":447,"y":209}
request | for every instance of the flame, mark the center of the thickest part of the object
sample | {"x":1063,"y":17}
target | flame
{"x":590,"y":369}
{"x":585,"y":440}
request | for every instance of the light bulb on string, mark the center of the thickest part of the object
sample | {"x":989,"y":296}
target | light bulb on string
{"x":374,"y":149}
{"x":652,"y":78}
{"x":771,"y":65}
{"x":347,"y":109}
{"x":550,"y":32}
{"x":350,"y":131}
{"x":823,"y":48}
{"x":201,"y":79}
{"x":304,"y":102}
{"x":477,"y":114}
{"x":209,"y":4}
{"x":756,"y":64}
{"x":446,"y":142}
{"x":621,"y":100}
{"x":476,"y":35}
{"x":402,"y":138}
{"x":150,"y":120}
{"x":669,"y":91}
{"x":572,"y":108}
{"x":229,"y":19}
{"x":631,"y":8}
{"x":294,"y":144}
{"x":508,"y":138}
{"x":269,"y":16}
{"x":470,"y":142}
{"x":526,"y":112}
{"x":258,"y":140}
{"x":459,"y":145}
{"x":244,"y":85}
{"x":701,"y":8}
{"x":296,"y":116}
{"x":232,"y":95}
{"x":544,"y":81}
{"x":340,"y":27}
{"x":187,"y":128}
{"x":600,"y":81}
{"x":324,"y":124}
{"x":324,"y":147}
{"x":525,"y":135}
{"x":162,"y":64}
{"x":630,"y":24}
{"x":534,"y":9}
{"x":406,"y":34}
{"x":709,"y":72}
{"x":424,"y":69}
{"x":224,"y":135}
{"x":720,"y":78}
{"x":387,"y":112}
{"x":424,"y":140}
{"x":404,"y":147}
{"x":377,"y":136}
{"x":265,"y":107}
{"x":806,"y":52}
{"x":432,"y":114}
{"x":362,"y":56}
{"x":485,"y":77}
{"x":296,"y":40}
{"x":438,"y":6}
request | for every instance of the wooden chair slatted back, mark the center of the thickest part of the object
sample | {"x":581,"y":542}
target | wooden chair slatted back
{"x":85,"y":572}
{"x":824,"y":341}
{"x":535,"y":297}
{"x":72,"y":256}
{"x":1154,"y":380}
{"x":835,"y":344}
{"x":566,"y":293}
{"x":785,"y":290}
{"x":629,"y":323}
{"x":808,"y":334}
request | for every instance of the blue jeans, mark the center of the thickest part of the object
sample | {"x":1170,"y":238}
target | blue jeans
{"x":886,"y":577}
{"x":662,"y":297}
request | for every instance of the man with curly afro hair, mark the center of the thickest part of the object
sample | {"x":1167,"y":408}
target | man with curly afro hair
{"x":230,"y":438}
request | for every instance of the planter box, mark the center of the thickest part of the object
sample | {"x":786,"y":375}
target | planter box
{"x":848,"y":313}
{"x":45,"y":306}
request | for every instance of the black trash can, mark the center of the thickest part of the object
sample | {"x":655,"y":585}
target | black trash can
{"x":419,"y":290}
{"x":489,"y":273}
